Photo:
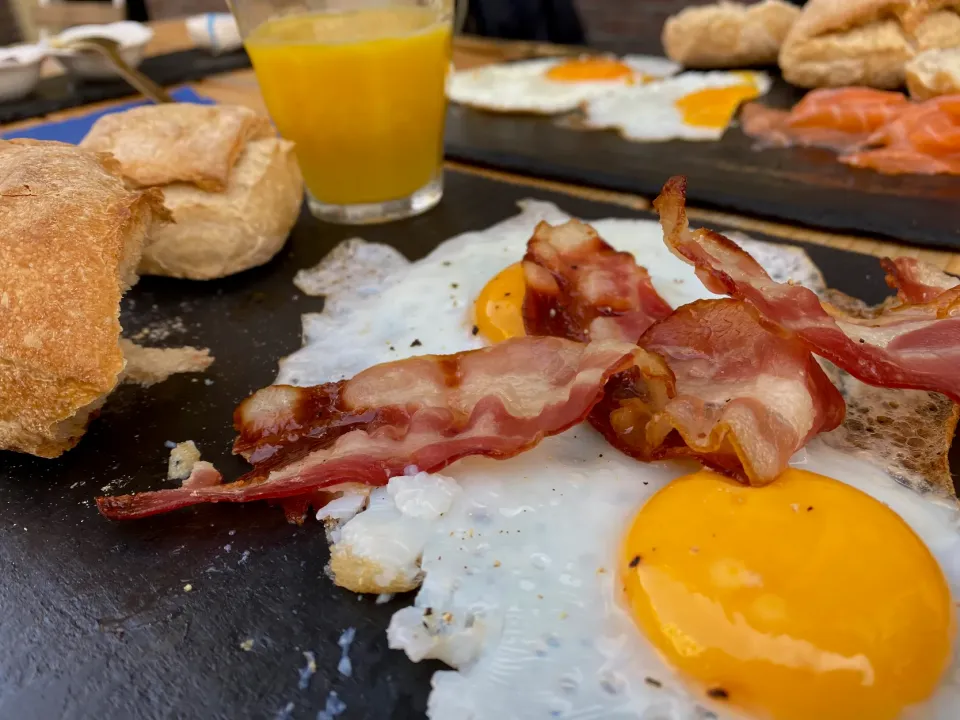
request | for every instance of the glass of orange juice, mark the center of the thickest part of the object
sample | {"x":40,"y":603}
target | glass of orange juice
{"x":359,"y":86}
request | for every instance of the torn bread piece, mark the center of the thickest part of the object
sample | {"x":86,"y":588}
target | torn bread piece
{"x":183,"y":457}
{"x":728,"y":34}
{"x":178,"y":142}
{"x":234,"y":188}
{"x":71,"y":235}
{"x":148,"y":366}
{"x":933,"y":73}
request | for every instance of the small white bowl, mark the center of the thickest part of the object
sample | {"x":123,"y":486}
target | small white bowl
{"x":132,"y":36}
{"x":19,"y":70}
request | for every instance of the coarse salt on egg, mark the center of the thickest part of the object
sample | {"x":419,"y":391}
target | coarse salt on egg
{"x":690,"y":106}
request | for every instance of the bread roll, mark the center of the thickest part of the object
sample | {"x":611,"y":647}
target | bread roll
{"x":218,"y":234}
{"x":233,"y":187}
{"x":864,"y":42}
{"x":178,"y":142}
{"x":71,"y":234}
{"x":728,"y":34}
{"x":934,"y":72}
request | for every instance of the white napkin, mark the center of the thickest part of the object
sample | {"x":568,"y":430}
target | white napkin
{"x":216,"y":32}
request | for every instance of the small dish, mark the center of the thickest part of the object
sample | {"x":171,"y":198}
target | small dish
{"x":132,"y":36}
{"x":19,"y":70}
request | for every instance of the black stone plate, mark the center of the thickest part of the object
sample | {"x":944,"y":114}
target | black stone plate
{"x":796,"y":185}
{"x":94,"y":620}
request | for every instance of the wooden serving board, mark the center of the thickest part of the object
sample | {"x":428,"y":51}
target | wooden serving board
{"x":94,"y":619}
{"x":798,"y":185}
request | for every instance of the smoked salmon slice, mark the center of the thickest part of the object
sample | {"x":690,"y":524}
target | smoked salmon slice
{"x":875,"y":129}
{"x":923,"y":139}
{"x":835,"y":118}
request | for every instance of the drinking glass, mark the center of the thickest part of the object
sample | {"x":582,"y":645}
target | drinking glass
{"x":359,"y":86}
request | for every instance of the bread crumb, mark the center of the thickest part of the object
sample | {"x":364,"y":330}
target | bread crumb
{"x":247,"y":645}
{"x":188,"y":587}
{"x":182,"y":459}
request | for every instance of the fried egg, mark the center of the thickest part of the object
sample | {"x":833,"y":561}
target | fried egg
{"x":467,"y":293}
{"x":572,"y":581}
{"x":552,"y":85}
{"x":690,"y":106}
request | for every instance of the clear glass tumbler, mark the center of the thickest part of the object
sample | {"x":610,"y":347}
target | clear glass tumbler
{"x":359,"y":86}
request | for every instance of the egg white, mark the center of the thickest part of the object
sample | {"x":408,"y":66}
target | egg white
{"x":427,"y":306}
{"x":518,"y":558}
{"x":523,"y":86}
{"x":648,"y":113}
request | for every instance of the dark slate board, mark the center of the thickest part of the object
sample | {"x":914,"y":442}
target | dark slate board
{"x":798,"y":185}
{"x":62,"y":92}
{"x":94,"y":622}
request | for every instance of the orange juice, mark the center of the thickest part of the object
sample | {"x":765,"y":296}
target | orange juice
{"x":362,"y":94}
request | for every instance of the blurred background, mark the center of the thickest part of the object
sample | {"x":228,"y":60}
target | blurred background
{"x":622,"y":25}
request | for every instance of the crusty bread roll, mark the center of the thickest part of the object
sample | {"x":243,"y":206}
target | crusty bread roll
{"x":178,"y":142}
{"x":934,"y":72}
{"x":864,"y":42}
{"x":933,"y":24}
{"x":218,"y":234}
{"x":728,"y":34}
{"x":71,"y":234}
{"x":233,"y":187}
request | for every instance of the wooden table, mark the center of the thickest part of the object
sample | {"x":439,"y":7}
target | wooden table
{"x":241,"y":88}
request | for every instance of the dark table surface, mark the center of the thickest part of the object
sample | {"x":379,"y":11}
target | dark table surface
{"x":94,"y":619}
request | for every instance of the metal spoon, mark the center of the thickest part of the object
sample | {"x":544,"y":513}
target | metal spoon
{"x":108,"y":48}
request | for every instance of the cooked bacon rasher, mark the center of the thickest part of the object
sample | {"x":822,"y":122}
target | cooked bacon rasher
{"x":916,"y":281}
{"x":912,"y":345}
{"x":731,"y":382}
{"x":579,"y":287}
{"x":426,"y":411}
{"x":745,"y":398}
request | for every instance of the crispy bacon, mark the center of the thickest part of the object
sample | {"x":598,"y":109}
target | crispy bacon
{"x":916,"y":281}
{"x":425,"y":411}
{"x":579,"y":287}
{"x":908,"y":346}
{"x":746,"y":398}
{"x":741,"y":398}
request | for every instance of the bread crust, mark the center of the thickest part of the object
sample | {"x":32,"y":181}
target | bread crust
{"x":218,"y":234}
{"x":728,"y":34}
{"x":933,"y":73}
{"x":178,"y":142}
{"x":865,"y":42}
{"x":234,"y":188}
{"x":71,"y":235}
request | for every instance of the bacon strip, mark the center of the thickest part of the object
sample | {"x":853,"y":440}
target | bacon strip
{"x":746,"y":398}
{"x":579,"y":287}
{"x":914,"y":346}
{"x":915,"y":281}
{"x":425,"y":411}
{"x":742,"y":398}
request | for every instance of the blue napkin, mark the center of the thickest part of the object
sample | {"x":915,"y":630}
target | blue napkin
{"x":75,"y":129}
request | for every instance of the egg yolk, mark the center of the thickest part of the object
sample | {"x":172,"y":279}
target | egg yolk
{"x":714,"y":107}
{"x":803,"y":599}
{"x":591,"y":69}
{"x":498,"y":310}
